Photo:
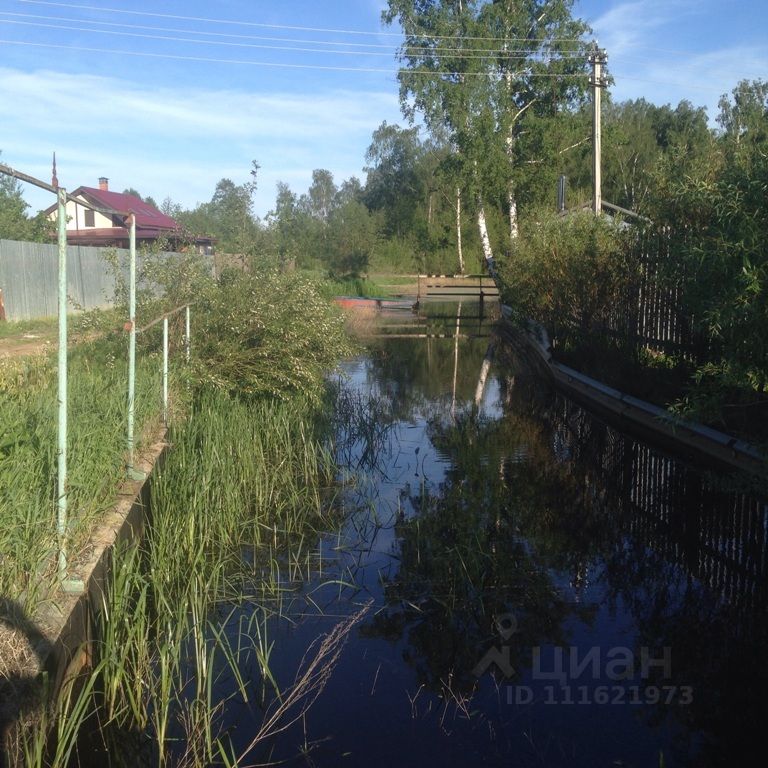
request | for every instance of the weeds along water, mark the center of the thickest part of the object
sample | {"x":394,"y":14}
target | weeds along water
{"x":183,"y":630}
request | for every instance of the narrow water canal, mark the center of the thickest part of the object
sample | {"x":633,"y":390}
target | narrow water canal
{"x":545,"y":590}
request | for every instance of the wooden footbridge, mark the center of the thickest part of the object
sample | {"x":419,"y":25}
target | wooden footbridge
{"x":454,"y":287}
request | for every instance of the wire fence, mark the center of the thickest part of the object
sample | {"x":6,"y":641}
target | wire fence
{"x":54,"y":275}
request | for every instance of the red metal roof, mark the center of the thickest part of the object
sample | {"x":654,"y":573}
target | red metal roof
{"x":147,"y":217}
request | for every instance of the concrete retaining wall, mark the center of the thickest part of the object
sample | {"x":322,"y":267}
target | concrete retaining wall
{"x":651,"y":420}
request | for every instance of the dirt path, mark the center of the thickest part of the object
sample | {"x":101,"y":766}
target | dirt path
{"x":26,"y":344}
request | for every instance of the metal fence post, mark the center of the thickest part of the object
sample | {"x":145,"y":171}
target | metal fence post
{"x":133,"y":474}
{"x":165,"y":371}
{"x":188,"y":331}
{"x":61,"y":485}
{"x":62,"y":522}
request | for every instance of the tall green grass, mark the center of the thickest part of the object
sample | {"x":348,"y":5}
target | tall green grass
{"x":238,"y":502}
{"x":96,"y":456}
{"x":357,"y":286}
{"x":234,"y":514}
{"x":16,"y":328}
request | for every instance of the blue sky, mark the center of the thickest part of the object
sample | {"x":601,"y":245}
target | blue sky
{"x":169,"y":97}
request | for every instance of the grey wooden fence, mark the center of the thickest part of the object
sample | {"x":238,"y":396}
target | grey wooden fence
{"x":651,"y":313}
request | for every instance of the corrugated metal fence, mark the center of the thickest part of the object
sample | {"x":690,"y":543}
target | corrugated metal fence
{"x":28,"y":278}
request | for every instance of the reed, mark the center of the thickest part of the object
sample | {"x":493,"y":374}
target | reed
{"x":167,"y":659}
{"x":186,"y":624}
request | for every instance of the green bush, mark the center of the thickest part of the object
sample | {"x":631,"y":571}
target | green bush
{"x":266,"y":334}
{"x":568,"y":273}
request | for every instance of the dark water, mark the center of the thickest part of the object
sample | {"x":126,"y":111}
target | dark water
{"x":544,"y":590}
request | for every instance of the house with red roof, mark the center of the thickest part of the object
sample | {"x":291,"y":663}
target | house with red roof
{"x":86,"y":226}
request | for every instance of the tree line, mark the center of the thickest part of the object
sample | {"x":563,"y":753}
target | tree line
{"x":495,"y":95}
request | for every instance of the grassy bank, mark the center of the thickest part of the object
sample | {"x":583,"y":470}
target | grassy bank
{"x":185,"y":632}
{"x":234,"y":515}
{"x":96,"y":447}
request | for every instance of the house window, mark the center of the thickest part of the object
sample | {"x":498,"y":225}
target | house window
{"x":90,"y":218}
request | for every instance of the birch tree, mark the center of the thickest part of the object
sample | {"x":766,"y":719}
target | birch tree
{"x":478,"y":70}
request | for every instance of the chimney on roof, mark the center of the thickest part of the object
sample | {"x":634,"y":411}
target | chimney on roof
{"x":104,"y":184}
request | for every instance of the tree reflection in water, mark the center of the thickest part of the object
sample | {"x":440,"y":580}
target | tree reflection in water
{"x":549,"y":515}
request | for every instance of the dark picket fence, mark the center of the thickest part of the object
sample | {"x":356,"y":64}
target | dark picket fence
{"x":652,"y":313}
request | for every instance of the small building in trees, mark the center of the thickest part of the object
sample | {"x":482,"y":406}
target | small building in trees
{"x":88,"y":227}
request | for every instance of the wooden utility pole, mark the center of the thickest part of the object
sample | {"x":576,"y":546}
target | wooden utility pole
{"x":597,"y":58}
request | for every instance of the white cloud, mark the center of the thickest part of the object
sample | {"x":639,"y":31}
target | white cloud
{"x":669,"y":50}
{"x":632,"y":24}
{"x":180,"y":142}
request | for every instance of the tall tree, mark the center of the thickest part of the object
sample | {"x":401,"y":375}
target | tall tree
{"x":638,"y":134}
{"x":394,"y":184}
{"x":351,"y":238}
{"x":147,"y":199}
{"x":287,"y":220}
{"x":228,"y":216}
{"x":745,"y":112}
{"x":478,"y":70}
{"x":321,"y":195}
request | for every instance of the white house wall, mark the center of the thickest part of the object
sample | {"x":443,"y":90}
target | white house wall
{"x":76,"y":218}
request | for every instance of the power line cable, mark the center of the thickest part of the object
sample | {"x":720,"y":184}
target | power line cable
{"x":262,"y":25}
{"x":373,"y":33}
{"x":330,"y":68}
{"x":275,"y":64}
{"x":402,"y":50}
{"x":391,"y":48}
{"x":520,"y":55}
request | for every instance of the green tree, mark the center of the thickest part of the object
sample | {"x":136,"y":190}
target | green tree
{"x":228,"y":216}
{"x":286,"y":220}
{"x":478,"y":71}
{"x":639,"y":134}
{"x":169,"y":208}
{"x":744,"y":115}
{"x":15,"y":224}
{"x":320,"y":197}
{"x":149,"y":200}
{"x":350,"y":189}
{"x":713,"y":213}
{"x":351,"y":238}
{"x":394,"y":183}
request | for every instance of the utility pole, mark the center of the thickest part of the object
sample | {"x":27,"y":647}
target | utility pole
{"x":597,"y":58}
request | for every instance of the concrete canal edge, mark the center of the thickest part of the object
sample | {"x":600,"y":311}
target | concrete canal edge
{"x":638,"y":415}
{"x":67,"y":620}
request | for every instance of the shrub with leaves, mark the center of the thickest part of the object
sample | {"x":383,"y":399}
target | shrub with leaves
{"x":266,"y":334}
{"x":568,"y":273}
{"x":713,"y":212}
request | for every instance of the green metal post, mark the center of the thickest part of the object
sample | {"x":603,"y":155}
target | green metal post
{"x":165,"y":371}
{"x":61,"y":488}
{"x":62,"y":523}
{"x":133,"y":474}
{"x":188,"y":331}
